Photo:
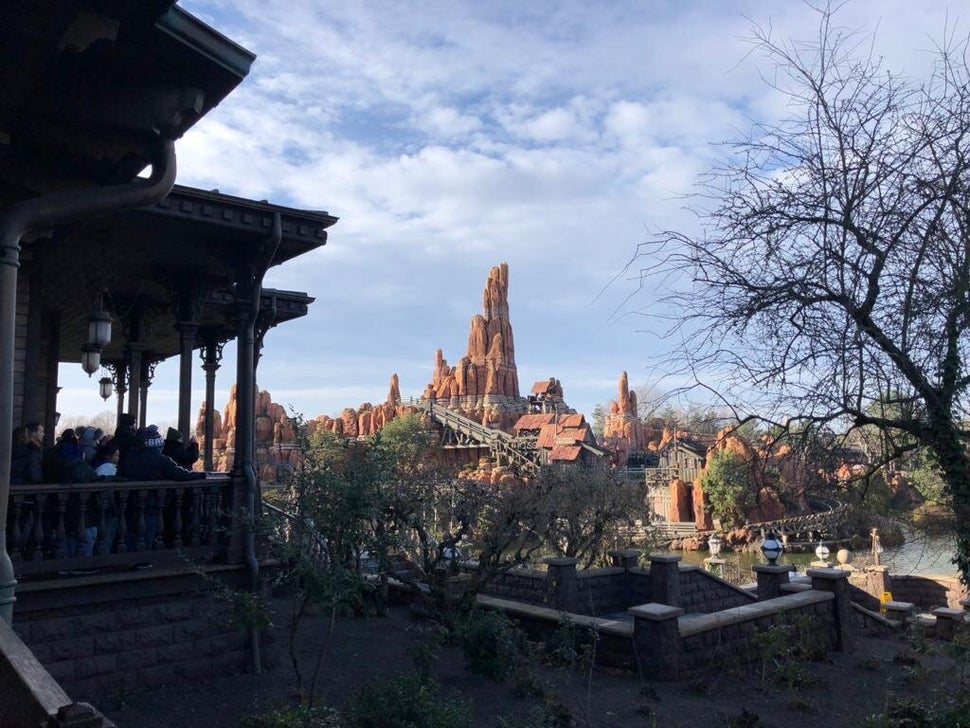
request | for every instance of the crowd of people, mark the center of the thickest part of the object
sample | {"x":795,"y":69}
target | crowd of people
{"x":89,"y":455}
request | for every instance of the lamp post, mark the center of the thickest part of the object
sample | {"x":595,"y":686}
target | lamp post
{"x":772,"y":547}
{"x":822,"y":554}
{"x":714,"y":563}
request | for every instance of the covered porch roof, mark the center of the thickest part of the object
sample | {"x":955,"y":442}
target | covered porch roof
{"x":175,"y":260}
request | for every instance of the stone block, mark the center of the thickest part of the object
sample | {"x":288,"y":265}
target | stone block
{"x":69,"y":649}
{"x":137,"y":659}
{"x":174,"y":611}
{"x":53,"y":630}
{"x":192,"y":629}
{"x":113,"y":642}
{"x":230,"y":663}
{"x":197,"y":669}
{"x":61,"y":671}
{"x":157,"y":676}
{"x":154,"y":636}
{"x":98,"y":623}
{"x":946,"y":622}
{"x":109,"y":684}
{"x":177,"y":652}
{"x":95,"y":665}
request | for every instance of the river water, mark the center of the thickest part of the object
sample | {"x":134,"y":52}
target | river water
{"x":920,"y":554}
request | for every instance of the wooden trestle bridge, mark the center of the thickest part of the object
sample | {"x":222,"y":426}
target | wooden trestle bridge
{"x":825,"y":522}
{"x":520,"y":453}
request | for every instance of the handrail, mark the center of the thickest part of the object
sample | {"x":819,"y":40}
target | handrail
{"x":99,"y":485}
{"x":64,"y":527}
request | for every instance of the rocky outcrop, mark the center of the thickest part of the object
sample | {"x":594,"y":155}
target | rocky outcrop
{"x":277,"y":449}
{"x":484,"y":384}
{"x":624,"y":432}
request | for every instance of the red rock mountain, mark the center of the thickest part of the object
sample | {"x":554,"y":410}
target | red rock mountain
{"x":483,"y":385}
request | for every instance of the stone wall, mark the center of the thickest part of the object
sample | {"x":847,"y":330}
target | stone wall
{"x":701,"y":591}
{"x":521,"y":585}
{"x":727,"y":643}
{"x":929,"y":591}
{"x":97,"y":641}
{"x":602,"y":591}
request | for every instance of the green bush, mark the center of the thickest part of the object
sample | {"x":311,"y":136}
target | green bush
{"x":406,"y":701}
{"x":302,"y":717}
{"x":491,"y":643}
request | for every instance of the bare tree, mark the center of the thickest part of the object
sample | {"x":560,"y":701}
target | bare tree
{"x":832,"y":270}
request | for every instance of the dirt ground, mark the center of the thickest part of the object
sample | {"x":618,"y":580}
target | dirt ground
{"x":839,"y":692}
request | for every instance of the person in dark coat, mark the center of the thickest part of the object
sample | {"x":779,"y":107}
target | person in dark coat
{"x":146,"y":462}
{"x":26,"y":458}
{"x":125,"y":436}
{"x":175,"y":448}
{"x":60,"y":459}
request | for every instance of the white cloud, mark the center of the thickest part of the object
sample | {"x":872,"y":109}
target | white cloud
{"x":450,"y":136}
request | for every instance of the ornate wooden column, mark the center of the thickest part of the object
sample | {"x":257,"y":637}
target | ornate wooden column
{"x":211,"y":357}
{"x":147,"y":374}
{"x":135,"y":351}
{"x":187,"y":332}
{"x":248,"y":288}
{"x":119,"y":376}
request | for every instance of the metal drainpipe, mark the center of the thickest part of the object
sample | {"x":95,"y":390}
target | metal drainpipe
{"x":246,"y":372}
{"x":35,"y":215}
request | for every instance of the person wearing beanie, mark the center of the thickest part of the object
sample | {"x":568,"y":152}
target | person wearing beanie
{"x":146,"y":462}
{"x":175,"y":448}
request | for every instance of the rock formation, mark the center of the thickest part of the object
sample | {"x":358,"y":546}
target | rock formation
{"x":277,"y":450}
{"x":484,"y":384}
{"x":623,"y":430}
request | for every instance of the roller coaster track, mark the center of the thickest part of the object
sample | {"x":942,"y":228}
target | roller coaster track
{"x":827,"y":517}
{"x":519,"y":452}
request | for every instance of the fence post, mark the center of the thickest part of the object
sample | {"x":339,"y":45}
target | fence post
{"x":625,"y":559}
{"x":770,"y":578}
{"x":656,"y":640}
{"x":837,"y":582}
{"x":665,"y":579}
{"x":562,"y":583}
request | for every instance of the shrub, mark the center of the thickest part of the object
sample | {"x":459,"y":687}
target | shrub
{"x":302,"y":717}
{"x":490,"y":642}
{"x":406,"y":701}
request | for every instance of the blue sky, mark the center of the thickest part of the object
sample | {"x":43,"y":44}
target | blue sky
{"x":450,"y":136}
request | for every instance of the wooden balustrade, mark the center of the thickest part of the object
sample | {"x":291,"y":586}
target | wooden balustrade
{"x":131,"y":523}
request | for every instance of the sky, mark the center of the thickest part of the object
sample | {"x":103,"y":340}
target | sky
{"x":450,"y":136}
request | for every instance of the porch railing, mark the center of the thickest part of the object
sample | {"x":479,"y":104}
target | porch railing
{"x":90,"y":527}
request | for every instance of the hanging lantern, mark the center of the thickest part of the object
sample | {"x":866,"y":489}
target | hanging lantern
{"x":99,"y":327}
{"x":105,"y":386}
{"x":90,"y":359}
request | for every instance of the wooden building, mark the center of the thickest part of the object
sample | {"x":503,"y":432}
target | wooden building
{"x":93,"y":93}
